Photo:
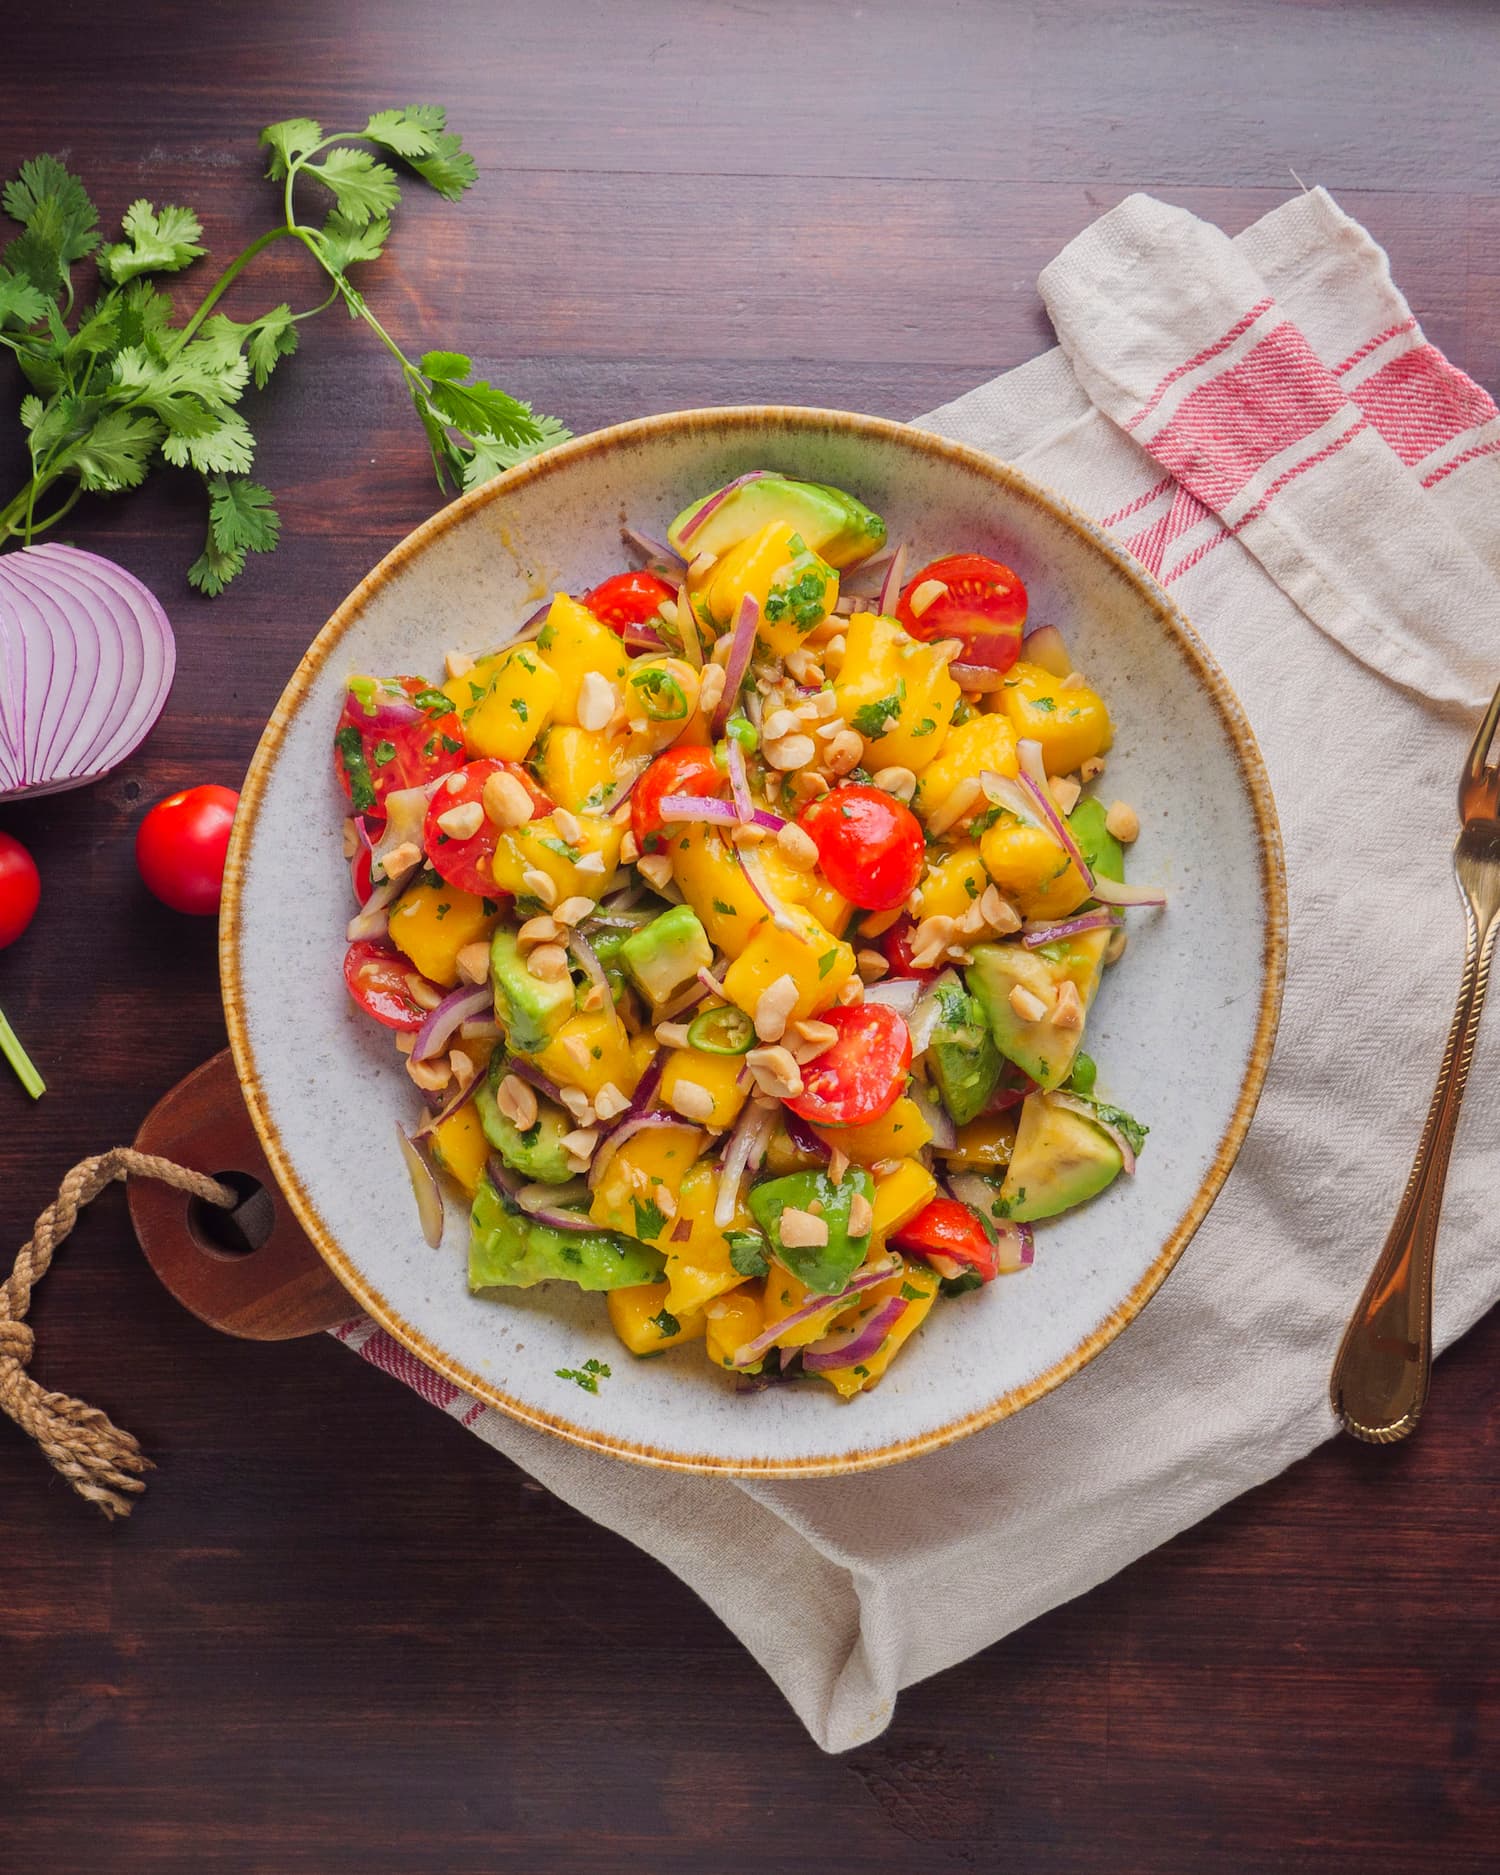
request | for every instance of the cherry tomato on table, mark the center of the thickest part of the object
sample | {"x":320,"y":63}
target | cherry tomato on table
{"x":679,"y":771}
{"x":375,"y":975}
{"x":180,"y":848}
{"x":20,"y":889}
{"x":469,"y":863}
{"x":869,"y":845}
{"x":947,"y":1235}
{"x":859,"y":1076}
{"x":395,"y":732}
{"x":628,"y":599}
{"x":985,"y":606}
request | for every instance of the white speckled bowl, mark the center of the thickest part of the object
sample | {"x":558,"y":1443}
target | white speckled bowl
{"x":1182,"y":1030}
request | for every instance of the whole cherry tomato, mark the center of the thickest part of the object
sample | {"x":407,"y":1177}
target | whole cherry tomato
{"x":180,"y":848}
{"x":628,"y":599}
{"x":20,"y":889}
{"x":679,"y":771}
{"x":376,"y":976}
{"x":469,"y":863}
{"x":861,"y":1074}
{"x":947,"y":1235}
{"x":870,"y":845}
{"x":984,"y":604}
{"x":395,"y":732}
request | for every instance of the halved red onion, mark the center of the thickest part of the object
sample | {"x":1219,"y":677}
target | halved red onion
{"x":1038,"y":931}
{"x":858,"y":1342}
{"x":717,"y":500}
{"x":742,"y":1151}
{"x":1116,"y":892}
{"x":739,"y":781}
{"x":629,"y":1125}
{"x":1072,"y":1104}
{"x":86,"y":660}
{"x":737,"y":663}
{"x":752,"y":1351}
{"x":890,"y":586}
{"x":425,"y":1190}
{"x":456,"y":1007}
{"x":1045,"y":648}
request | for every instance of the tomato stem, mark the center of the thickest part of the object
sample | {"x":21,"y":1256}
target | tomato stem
{"x":16,"y":1055}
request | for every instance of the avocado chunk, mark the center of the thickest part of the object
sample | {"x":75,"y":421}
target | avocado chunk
{"x":1098,"y":845}
{"x":667,"y":952}
{"x":834,"y":524}
{"x":961,"y":1055}
{"x":537,"y":1153}
{"x":825,"y":1268}
{"x":529,"y":1010}
{"x":1060,"y":1160}
{"x":509,"y":1250}
{"x":1038,"y":1049}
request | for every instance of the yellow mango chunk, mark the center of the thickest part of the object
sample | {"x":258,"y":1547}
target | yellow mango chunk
{"x":460,"y":1147}
{"x":951,"y":886}
{"x":583,"y":868}
{"x":699,"y":1268}
{"x":588,"y":1051}
{"x":984,"y":742}
{"x":712,"y":880}
{"x":896,"y":692}
{"x":987,"y":1141}
{"x":1070,"y":723}
{"x":818,"y":963}
{"x":863,"y":1375}
{"x":899,"y":1195}
{"x":517,"y":694}
{"x":638,"y":1192}
{"x":660,"y":696}
{"x":572,"y":643}
{"x":580,"y":768}
{"x":717,"y":1075}
{"x":900,"y":1133}
{"x":432,"y":924}
{"x":795,"y":591}
{"x":640,"y":1317}
{"x":733,"y":1320}
{"x":782,"y":1295}
{"x":1029,"y":865}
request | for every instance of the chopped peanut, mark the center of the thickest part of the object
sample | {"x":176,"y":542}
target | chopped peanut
{"x":459,"y":663}
{"x":431,"y":1076}
{"x":798,"y":849}
{"x":542,"y":930}
{"x":900,"y":782}
{"x":871,"y":965}
{"x":401,"y":859}
{"x":861,"y":1215}
{"x":609,"y":1102}
{"x":926,"y":596}
{"x":506,"y":801}
{"x":845,"y":752}
{"x":1068,"y":1012}
{"x":1065,"y":792}
{"x":517,"y":1101}
{"x":692,"y":1101}
{"x":655,"y":868}
{"x":424,"y":994}
{"x":540,"y":885}
{"x":711,"y":689}
{"x":1123,"y":822}
{"x":1028,"y":1007}
{"x":548,"y":963}
{"x":463,"y":822}
{"x":474,"y":962}
{"x":572,"y":909}
{"x":790,"y":752}
{"x":774,"y":1004}
{"x":776,"y":1072}
{"x":800,"y":1230}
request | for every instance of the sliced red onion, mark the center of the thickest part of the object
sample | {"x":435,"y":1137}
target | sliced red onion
{"x":1005,"y":791}
{"x":1033,"y":779}
{"x":680,"y":1004}
{"x":845,"y":1346}
{"x":803,"y":1137}
{"x":623,"y":900}
{"x":526,"y":1070}
{"x":711,"y":984}
{"x":977,"y":676}
{"x":372,"y":920}
{"x":900,"y":993}
{"x":456,"y":1007}
{"x":364,"y":848}
{"x":651,"y":547}
{"x":860,"y":572}
{"x":629,"y":1125}
{"x":890,"y":586}
{"x":86,"y":660}
{"x":738,"y":662}
{"x":717,"y":500}
{"x":643,"y":638}
{"x":1015,"y":1246}
{"x":592,"y":968}
{"x":1116,"y":892}
{"x":687,"y":629}
{"x":447,"y":1108}
{"x":1038,"y":931}
{"x":752,"y":1351}
{"x":739,"y":782}
{"x":1045,"y":648}
{"x":425,"y":1190}
{"x":1072,"y":1104}
{"x":525,"y":1194}
{"x":676,"y":807}
{"x":742,"y":1151}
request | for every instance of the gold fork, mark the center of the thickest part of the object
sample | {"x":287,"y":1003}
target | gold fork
{"x":1384,"y":1362}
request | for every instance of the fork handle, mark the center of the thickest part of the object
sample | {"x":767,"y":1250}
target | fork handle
{"x":1384,"y":1362}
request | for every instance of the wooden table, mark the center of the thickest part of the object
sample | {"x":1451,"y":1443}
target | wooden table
{"x":341,"y":1634}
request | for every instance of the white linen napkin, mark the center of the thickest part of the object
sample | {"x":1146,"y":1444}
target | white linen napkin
{"x":1263,"y":423}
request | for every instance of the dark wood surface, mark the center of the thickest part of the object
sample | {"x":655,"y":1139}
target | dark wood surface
{"x":339,"y":1633}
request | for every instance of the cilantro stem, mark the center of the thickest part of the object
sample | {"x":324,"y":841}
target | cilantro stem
{"x":16,"y":1055}
{"x":34,"y":527}
{"x":226,"y":280}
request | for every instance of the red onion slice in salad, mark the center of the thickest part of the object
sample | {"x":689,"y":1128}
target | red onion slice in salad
{"x":726,"y":813}
{"x":1116,"y":892}
{"x":742,"y":1152}
{"x":738,"y":662}
{"x":1037,"y":932}
{"x":846,"y":1346}
{"x":739,"y":781}
{"x":890,"y":586}
{"x":761,"y":886}
{"x":752,"y":1351}
{"x":534,"y":1199}
{"x":977,"y":676}
{"x":629,"y":1125}
{"x":899,"y":993}
{"x":456,"y":1007}
{"x":653,"y":550}
{"x":425,"y":1190}
{"x":1015,"y":1245}
{"x":687,"y":628}
{"x":717,"y":500}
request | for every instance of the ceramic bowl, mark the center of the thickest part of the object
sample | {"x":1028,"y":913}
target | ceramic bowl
{"x":1182,"y":1029}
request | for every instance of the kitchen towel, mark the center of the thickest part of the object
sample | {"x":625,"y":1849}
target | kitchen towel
{"x":1263,"y":424}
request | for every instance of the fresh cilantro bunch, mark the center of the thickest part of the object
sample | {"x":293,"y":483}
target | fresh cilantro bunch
{"x":127,"y":383}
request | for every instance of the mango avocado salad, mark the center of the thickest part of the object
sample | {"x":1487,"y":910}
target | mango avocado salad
{"x":739,"y":922}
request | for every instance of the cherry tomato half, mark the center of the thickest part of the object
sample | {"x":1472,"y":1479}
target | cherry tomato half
{"x":180,"y":848}
{"x":375,"y":975}
{"x":985,"y":605}
{"x":469,"y":864}
{"x":679,"y":771}
{"x":628,"y":599}
{"x":896,"y":944}
{"x":395,"y":732}
{"x":947,"y":1235}
{"x":20,"y":889}
{"x":869,"y":845}
{"x":859,"y":1076}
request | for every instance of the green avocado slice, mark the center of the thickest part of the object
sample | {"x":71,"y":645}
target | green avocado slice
{"x":1060,"y":1159}
{"x":832,"y":523}
{"x":1037,"y":1048}
{"x":530,"y":1010}
{"x":509,"y":1250}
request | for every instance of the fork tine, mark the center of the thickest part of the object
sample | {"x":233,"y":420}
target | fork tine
{"x":1477,"y":787}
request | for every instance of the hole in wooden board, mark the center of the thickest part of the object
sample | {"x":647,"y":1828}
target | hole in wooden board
{"x":235,"y":1233}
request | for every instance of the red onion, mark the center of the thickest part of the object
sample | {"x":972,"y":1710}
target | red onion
{"x":847,"y":1345}
{"x":630,"y":1124}
{"x":685,"y":1000}
{"x":695,"y":807}
{"x":745,"y":1146}
{"x":890,"y":586}
{"x":1072,"y":1104}
{"x":651,"y":547}
{"x":740,"y":647}
{"x":449,"y":1107}
{"x":405,"y":818}
{"x":687,"y":629}
{"x":1033,"y":779}
{"x":899,"y":993}
{"x":372,"y":920}
{"x":456,"y":1007}
{"x":739,"y":782}
{"x":559,"y":1216}
{"x":527,"y":1070}
{"x":761,"y":887}
{"x":924,"y":1017}
{"x":592,"y":968}
{"x":425,"y":1190}
{"x":86,"y":661}
{"x":1015,"y":1246}
{"x":716,"y":501}
{"x":752,"y":1351}
{"x":643,"y":638}
{"x":1045,"y":648}
{"x":803,"y":1137}
{"x":1037,"y":932}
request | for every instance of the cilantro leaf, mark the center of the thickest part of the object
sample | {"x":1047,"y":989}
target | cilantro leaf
{"x":870,"y":719}
{"x":650,"y":1219}
{"x":164,"y":242}
{"x":362,"y":187}
{"x":481,"y":409}
{"x":226,"y":448}
{"x":413,"y":131}
{"x":212,"y":571}
{"x":21,"y":303}
{"x":748,"y":1252}
{"x":291,"y":138}
{"x":489,"y":457}
{"x":272,"y":338}
{"x":446,"y":365}
{"x":116,"y":451}
{"x":450,"y":169}
{"x":53,"y":206}
{"x":346,"y":242}
{"x":241,"y":516}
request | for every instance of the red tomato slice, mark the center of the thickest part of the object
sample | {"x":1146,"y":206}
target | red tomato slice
{"x":985,"y":605}
{"x":360,"y":875}
{"x":947,"y":1235}
{"x":628,"y":599}
{"x":869,"y":845}
{"x":395,"y":732}
{"x":896,"y":944}
{"x":375,"y":975}
{"x":469,"y":864}
{"x":859,"y":1076}
{"x":679,"y":771}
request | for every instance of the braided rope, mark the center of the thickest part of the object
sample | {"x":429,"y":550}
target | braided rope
{"x":100,"y":1461}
